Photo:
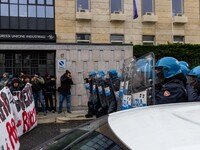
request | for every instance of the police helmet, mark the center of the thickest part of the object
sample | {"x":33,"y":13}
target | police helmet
{"x":101,"y":73}
{"x":195,"y":72}
{"x":170,"y":66}
{"x":113,"y":73}
{"x":184,"y":63}
{"x":92,"y":73}
{"x":184,"y":70}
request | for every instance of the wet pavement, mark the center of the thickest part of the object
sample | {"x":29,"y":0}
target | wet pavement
{"x":50,"y":126}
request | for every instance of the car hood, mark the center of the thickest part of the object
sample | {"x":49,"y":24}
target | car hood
{"x":159,"y":127}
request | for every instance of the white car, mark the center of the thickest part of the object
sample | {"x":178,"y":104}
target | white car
{"x":159,"y":127}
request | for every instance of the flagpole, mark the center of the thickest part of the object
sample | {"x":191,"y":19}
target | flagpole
{"x":172,"y":24}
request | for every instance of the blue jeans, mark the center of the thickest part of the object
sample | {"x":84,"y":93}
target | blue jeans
{"x":68,"y":103}
{"x":39,"y":96}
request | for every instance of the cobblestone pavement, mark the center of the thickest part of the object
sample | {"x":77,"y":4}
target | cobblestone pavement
{"x":44,"y":132}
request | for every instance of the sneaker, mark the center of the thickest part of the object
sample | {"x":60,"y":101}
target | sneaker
{"x":53,"y":111}
{"x":69,"y":111}
{"x":45,"y":114}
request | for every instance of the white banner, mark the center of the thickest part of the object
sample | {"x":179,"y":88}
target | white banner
{"x":24,"y":110}
{"x":17,"y":116}
{"x":9,"y":138}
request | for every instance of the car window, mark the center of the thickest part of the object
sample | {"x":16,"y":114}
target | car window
{"x":94,"y":135}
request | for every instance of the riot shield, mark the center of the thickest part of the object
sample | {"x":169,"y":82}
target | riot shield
{"x":114,"y":80}
{"x":86,"y":84}
{"x":125,"y":68}
{"x":126,"y":83}
{"x":91,"y":89}
{"x":143,"y":81}
{"x":110,"y":95}
{"x":103,"y":105}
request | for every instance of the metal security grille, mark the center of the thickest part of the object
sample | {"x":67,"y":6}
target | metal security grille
{"x":14,"y":62}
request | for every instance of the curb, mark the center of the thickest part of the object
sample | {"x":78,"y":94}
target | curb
{"x":63,"y":117}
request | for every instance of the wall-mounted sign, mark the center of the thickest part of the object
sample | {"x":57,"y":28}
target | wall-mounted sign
{"x":61,"y":64}
{"x":27,"y":36}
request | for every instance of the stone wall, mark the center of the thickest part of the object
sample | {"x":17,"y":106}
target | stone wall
{"x":83,"y":59}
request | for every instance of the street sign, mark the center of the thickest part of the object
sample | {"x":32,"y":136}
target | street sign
{"x":61,"y":64}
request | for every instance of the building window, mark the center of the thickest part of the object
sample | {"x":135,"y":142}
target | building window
{"x":27,"y":14}
{"x":40,"y":2}
{"x":13,"y":1}
{"x":13,"y":10}
{"x":116,"y":6}
{"x":148,"y":39}
{"x":117,"y":38}
{"x":49,"y":2}
{"x":31,"y":1}
{"x":31,"y":11}
{"x":147,"y":6}
{"x":83,"y":38}
{"x":179,"y":39}
{"x":177,"y":7}
{"x":4,"y":9}
{"x":22,"y":10}
{"x":40,"y":11}
{"x":31,"y":62}
{"x":82,"y":5}
{"x":4,"y":1}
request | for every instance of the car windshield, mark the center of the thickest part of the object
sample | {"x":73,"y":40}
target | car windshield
{"x":93,"y":135}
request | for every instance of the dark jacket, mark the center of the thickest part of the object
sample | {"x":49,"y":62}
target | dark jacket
{"x":49,"y":85}
{"x":66,"y":83}
{"x":13,"y":88}
{"x":37,"y":84}
{"x":193,"y":94}
{"x":173,"y":91}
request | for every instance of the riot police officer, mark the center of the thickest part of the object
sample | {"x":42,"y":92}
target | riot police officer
{"x":92,"y":94}
{"x":193,"y":84}
{"x":171,"y":87}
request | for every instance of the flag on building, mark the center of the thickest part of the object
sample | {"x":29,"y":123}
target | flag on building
{"x":135,"y":13}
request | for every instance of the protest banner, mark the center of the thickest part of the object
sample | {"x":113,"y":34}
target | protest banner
{"x":8,"y":138}
{"x":24,"y":110}
{"x":17,"y":116}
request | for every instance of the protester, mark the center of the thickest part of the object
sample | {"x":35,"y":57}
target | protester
{"x":4,"y":80}
{"x":15,"y":85}
{"x":65,"y":91}
{"x":171,"y":87}
{"x":193,"y":84}
{"x":27,"y":79}
{"x":37,"y":85}
{"x":48,"y":90}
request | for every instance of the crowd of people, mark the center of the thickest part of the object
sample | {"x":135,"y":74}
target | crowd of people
{"x":43,"y":89}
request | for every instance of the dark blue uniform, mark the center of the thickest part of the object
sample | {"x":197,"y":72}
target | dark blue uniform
{"x":193,"y":94}
{"x":173,"y":91}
